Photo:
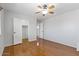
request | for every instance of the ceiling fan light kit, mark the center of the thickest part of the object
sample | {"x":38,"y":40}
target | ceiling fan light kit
{"x":46,"y":9}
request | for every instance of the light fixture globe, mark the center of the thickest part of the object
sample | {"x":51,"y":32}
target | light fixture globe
{"x":44,"y":12}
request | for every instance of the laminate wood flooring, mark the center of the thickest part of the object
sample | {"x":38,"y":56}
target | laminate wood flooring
{"x":46,"y":48}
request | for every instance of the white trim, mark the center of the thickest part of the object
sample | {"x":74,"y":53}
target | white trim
{"x":1,"y":51}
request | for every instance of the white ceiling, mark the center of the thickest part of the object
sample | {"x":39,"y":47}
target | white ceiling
{"x":29,"y":9}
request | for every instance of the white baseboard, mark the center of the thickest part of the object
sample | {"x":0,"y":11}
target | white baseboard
{"x":62,"y":43}
{"x":77,"y":49}
{"x":1,"y":51}
{"x":32,"y":39}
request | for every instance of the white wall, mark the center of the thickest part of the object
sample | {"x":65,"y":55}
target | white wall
{"x":63,"y":29}
{"x":32,"y":30}
{"x":9,"y":16}
{"x":1,"y":31}
{"x":8,"y":28}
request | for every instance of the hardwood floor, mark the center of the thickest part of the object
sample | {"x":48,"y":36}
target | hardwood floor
{"x":46,"y":48}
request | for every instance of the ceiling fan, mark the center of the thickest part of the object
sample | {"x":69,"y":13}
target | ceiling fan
{"x":45,"y":8}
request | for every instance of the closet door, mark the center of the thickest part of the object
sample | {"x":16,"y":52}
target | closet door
{"x":17,"y":31}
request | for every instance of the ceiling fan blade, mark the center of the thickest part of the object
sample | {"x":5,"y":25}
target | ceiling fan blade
{"x":39,"y":7}
{"x":51,"y":12}
{"x":37,"y":12}
{"x":51,"y":6}
{"x":51,"y":9}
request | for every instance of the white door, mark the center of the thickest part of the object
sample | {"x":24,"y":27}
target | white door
{"x":17,"y":31}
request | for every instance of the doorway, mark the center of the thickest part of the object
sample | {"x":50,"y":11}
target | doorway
{"x":20,"y":29}
{"x":24,"y":32}
{"x":40,"y":33}
{"x":40,"y":30}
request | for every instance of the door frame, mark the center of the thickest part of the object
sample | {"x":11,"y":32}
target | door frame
{"x":14,"y":32}
{"x":27,"y":30}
